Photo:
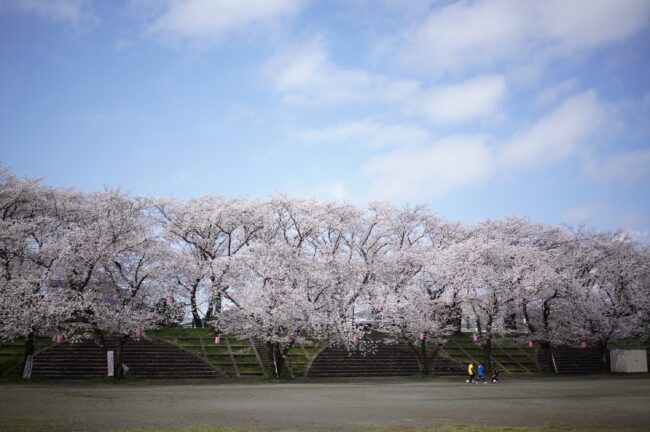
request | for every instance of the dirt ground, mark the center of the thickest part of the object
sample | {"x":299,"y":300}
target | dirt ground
{"x":583,"y":402}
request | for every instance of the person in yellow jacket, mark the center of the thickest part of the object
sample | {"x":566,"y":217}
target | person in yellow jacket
{"x":471,"y":373}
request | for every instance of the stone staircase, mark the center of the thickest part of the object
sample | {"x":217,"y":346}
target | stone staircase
{"x":238,"y":355}
{"x":386,"y":360}
{"x":509,"y":357}
{"x":442,"y":366}
{"x":577,"y":360}
{"x":146,"y":359}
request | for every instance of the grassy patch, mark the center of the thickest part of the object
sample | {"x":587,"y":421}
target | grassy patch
{"x":29,"y":424}
{"x":203,"y":428}
{"x":494,"y":429}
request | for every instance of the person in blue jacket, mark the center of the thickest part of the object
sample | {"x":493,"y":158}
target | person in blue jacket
{"x":480,"y":373}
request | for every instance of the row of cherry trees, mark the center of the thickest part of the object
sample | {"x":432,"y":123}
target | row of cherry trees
{"x":106,"y":264}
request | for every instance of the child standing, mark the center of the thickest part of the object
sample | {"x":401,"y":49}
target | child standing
{"x":495,"y":375}
{"x":470,"y":372}
{"x":481,"y":374}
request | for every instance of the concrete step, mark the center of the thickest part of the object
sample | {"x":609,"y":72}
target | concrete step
{"x":150,"y":359}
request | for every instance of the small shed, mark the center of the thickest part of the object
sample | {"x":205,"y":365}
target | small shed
{"x":629,"y":360}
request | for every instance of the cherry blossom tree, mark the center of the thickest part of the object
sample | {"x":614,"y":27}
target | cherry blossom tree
{"x":107,"y":265}
{"x":106,"y":274}
{"x":277,"y":281}
{"x":486,"y":268}
{"x":609,"y":301}
{"x":210,"y":231}
{"x":411,"y":303}
{"x":28,"y":235}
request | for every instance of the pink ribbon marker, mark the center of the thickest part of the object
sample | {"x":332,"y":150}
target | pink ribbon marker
{"x":58,"y":339}
{"x":583,"y":344}
{"x":421,"y":336}
{"x":217,"y":339}
{"x":138,"y":332}
{"x":475,"y":338}
{"x":530,"y":344}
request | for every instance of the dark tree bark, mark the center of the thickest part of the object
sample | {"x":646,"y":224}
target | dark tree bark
{"x":278,"y":356}
{"x":604,"y":355}
{"x":420,"y":350}
{"x":545,"y":356}
{"x":196,"y":318}
{"x":119,"y":369}
{"x":29,"y":348}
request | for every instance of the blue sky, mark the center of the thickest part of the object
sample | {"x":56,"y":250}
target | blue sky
{"x":476,"y":109}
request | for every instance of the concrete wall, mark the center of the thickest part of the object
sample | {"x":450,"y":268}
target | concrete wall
{"x":628,"y":360}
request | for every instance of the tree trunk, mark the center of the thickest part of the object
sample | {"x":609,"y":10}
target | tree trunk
{"x":29,"y":349}
{"x":457,"y":320}
{"x":544,"y":356}
{"x":420,"y":349}
{"x":119,"y":370}
{"x":214,"y":308}
{"x":276,"y":358}
{"x":100,"y":341}
{"x":196,"y":318}
{"x":604,"y":356}
{"x":487,"y":352}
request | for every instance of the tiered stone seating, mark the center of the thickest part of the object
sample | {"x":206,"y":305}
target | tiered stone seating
{"x":571,"y":360}
{"x":148,"y":359}
{"x":387,"y":360}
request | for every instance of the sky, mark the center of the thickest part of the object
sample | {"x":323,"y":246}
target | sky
{"x":477,"y":109}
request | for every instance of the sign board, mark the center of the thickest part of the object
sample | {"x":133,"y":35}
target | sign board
{"x":110,"y":363}
{"x":27,"y":372}
{"x":629,"y":360}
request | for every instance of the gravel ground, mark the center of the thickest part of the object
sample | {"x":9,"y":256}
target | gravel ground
{"x":583,"y":402}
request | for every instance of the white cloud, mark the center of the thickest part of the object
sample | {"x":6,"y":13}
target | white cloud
{"x":428,"y":169}
{"x":429,"y":172}
{"x":573,"y":25}
{"x":306,"y":75}
{"x":555,"y":92}
{"x":205,"y":21}
{"x":61,"y":11}
{"x":368,"y":133}
{"x":624,"y":167}
{"x":469,"y":100}
{"x":488,"y":33}
{"x":557,"y":135}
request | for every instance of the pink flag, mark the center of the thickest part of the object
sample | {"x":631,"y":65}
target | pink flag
{"x":138,"y":332}
{"x":583,"y":344}
{"x":475,"y":338}
{"x":58,"y":339}
{"x":421,"y":336}
{"x":217,"y":339}
{"x":530,"y":344}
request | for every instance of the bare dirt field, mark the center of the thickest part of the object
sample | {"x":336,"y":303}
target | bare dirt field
{"x":584,"y":403}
